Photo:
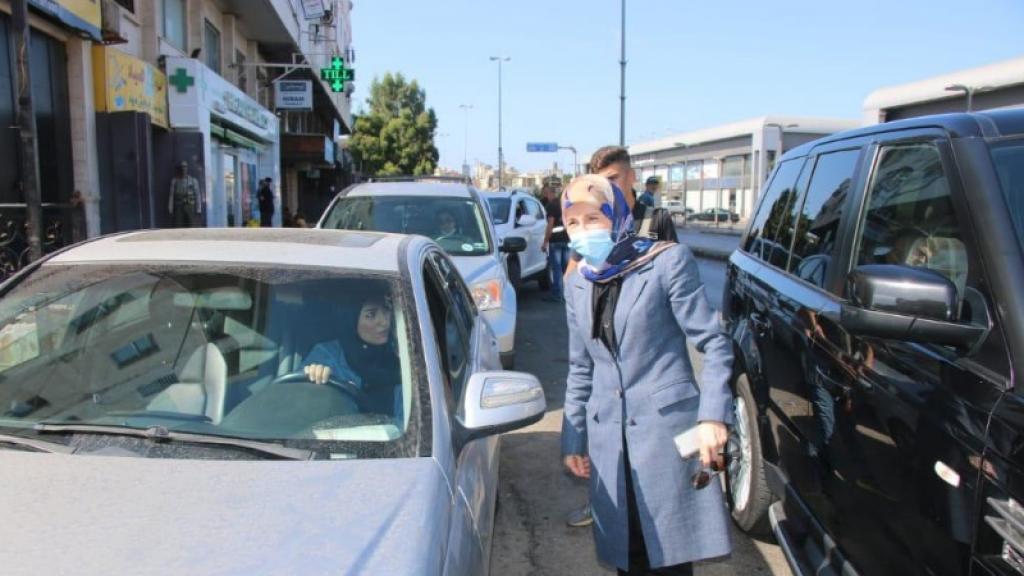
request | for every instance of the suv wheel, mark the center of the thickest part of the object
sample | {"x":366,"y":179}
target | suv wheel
{"x":544,"y":280}
{"x":747,"y":488}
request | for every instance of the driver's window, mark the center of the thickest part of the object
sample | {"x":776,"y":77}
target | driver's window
{"x":909,"y":217}
{"x":534,"y":209}
{"x":520,"y":210}
{"x":452,"y":341}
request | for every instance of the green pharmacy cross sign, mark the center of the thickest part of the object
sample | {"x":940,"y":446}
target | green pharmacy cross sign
{"x":337,"y":74}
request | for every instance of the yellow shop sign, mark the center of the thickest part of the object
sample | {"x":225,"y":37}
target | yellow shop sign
{"x":124,"y":83}
{"x":83,"y":15}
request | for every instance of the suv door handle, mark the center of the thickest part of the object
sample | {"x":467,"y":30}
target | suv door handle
{"x":761,"y":324}
{"x":831,"y":384}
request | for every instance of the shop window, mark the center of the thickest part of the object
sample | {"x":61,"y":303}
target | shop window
{"x":211,"y":47}
{"x":241,"y":71}
{"x":174,"y":23}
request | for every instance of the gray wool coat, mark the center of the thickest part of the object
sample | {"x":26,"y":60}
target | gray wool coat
{"x":647,"y":396}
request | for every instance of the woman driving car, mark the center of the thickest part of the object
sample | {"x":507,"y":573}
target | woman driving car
{"x":365,"y":355}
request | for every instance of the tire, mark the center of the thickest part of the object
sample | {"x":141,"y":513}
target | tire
{"x":544,"y":280}
{"x":747,"y":487}
{"x":515,"y":274}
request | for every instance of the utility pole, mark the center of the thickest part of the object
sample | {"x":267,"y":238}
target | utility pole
{"x":465,"y":138}
{"x":501,"y":156}
{"x":622,"y":75}
{"x":26,"y":124}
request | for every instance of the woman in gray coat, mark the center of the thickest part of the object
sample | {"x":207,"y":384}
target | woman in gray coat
{"x":632,"y":308}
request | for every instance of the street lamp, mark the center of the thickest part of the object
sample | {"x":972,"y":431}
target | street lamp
{"x":501,"y":156}
{"x":622,"y":81}
{"x":969,"y":91}
{"x":465,"y":139}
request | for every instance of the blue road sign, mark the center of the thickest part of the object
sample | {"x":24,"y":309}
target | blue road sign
{"x":542,"y":147}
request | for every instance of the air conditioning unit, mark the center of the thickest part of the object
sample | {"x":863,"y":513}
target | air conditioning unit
{"x":110,"y":24}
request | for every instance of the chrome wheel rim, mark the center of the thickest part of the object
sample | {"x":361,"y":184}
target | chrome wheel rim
{"x":739,"y":468}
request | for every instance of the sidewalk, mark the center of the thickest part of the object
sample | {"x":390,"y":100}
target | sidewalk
{"x":717,"y":245}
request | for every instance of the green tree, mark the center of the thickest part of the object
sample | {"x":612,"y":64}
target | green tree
{"x":396,"y":134}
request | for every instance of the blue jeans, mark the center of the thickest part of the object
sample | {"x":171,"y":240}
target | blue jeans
{"x":558,"y":260}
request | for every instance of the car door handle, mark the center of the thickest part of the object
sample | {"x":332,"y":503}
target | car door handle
{"x":761,"y":325}
{"x":829,"y":383}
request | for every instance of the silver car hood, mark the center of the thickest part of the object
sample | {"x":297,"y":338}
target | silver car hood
{"x":477,"y":268}
{"x":114,"y":515}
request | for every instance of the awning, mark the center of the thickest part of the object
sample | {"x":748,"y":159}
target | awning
{"x":235,"y":137}
{"x":80,"y":15}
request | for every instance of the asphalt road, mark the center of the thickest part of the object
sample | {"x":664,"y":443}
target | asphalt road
{"x":531,"y":537}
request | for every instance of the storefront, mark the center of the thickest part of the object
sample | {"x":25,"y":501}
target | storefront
{"x":240,"y":142}
{"x":61,"y":33}
{"x":133,"y":140}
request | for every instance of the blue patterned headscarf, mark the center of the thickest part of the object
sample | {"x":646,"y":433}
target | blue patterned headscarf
{"x":630,"y":251}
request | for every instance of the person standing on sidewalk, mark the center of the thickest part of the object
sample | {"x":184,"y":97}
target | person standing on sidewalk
{"x":650,"y":192}
{"x":614,"y":163}
{"x":185,"y":203}
{"x":556,"y":243}
{"x":631,"y":309}
{"x":265,"y":195}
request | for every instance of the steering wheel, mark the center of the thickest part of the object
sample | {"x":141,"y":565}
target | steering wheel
{"x":346,"y":387}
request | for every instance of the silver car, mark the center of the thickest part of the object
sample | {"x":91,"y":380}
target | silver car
{"x":159,"y":415}
{"x":454,"y":216}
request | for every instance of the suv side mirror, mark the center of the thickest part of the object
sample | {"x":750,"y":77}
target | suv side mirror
{"x":906,"y":303}
{"x":513,"y":244}
{"x":525,"y":221}
{"x":497,"y":402}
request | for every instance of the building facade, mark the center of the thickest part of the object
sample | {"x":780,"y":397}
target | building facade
{"x":724,"y":166}
{"x":61,"y":37}
{"x":125,"y":90}
{"x":998,"y":85}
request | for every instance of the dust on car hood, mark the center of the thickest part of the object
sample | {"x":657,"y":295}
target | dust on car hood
{"x":107,"y":515}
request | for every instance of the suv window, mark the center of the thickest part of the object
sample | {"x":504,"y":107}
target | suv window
{"x":812,"y":229}
{"x":909,"y":217}
{"x":452,"y":339}
{"x":775,"y":203}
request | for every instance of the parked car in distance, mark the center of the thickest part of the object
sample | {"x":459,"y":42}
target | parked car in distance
{"x":159,"y":379}
{"x":454,"y":216}
{"x":714,"y":215}
{"x":517,"y":214}
{"x":876,"y":308}
{"x":676,"y":208}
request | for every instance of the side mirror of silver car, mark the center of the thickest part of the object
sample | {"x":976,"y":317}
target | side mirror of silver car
{"x":497,"y":402}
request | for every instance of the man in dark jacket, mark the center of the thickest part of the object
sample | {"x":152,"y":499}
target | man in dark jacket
{"x":266,"y":200}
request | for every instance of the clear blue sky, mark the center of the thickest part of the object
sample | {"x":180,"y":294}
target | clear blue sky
{"x":691,"y":64}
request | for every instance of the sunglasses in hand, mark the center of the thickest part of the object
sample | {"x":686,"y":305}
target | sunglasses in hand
{"x":703,"y":477}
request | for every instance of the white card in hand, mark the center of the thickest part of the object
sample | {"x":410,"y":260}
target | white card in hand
{"x":687,"y":444}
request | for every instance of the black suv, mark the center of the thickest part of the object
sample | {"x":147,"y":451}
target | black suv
{"x":876,"y":304}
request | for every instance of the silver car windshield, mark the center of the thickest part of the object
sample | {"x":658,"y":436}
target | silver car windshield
{"x":458,"y":225}
{"x":219,"y":351}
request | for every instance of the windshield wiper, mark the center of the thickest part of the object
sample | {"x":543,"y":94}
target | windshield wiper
{"x":163,"y":434}
{"x":37,"y":445}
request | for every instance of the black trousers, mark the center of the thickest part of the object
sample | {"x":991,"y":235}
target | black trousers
{"x":639,"y":564}
{"x":266,"y":218}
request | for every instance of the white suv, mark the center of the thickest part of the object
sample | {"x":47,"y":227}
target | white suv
{"x":518,"y":214}
{"x":454,"y":216}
